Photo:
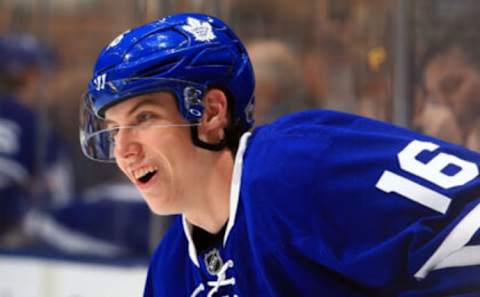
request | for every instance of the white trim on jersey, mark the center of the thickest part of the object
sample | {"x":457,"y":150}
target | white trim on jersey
{"x":235,"y":187}
{"x":234,"y":197}
{"x":454,"y":251}
{"x":192,"y":252}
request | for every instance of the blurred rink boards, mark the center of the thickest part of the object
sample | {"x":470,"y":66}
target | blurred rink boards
{"x":22,"y":276}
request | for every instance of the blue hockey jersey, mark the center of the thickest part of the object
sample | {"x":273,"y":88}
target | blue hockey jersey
{"x":330,"y":204}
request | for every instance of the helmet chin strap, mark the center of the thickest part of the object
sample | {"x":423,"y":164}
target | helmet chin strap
{"x":208,"y":146}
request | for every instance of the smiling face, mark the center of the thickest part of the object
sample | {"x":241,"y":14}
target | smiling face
{"x":157,"y":160}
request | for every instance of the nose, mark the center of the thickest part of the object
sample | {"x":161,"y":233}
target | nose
{"x":126,"y":144}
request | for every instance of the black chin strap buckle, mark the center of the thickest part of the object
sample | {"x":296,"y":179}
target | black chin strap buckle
{"x":209,"y":146}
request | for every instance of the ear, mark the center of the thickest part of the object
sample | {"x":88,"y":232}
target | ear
{"x":215,"y":116}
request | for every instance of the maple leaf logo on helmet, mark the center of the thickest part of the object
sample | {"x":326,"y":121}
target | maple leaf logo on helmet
{"x":202,"y":31}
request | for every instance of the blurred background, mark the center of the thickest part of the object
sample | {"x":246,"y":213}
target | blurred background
{"x":68,"y":225}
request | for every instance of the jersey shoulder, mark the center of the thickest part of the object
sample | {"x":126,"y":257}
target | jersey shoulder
{"x":318,"y":177}
{"x":320,"y":139}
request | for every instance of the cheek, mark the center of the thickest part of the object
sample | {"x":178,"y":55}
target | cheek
{"x":467,"y":96}
{"x":173,"y":142}
{"x":178,"y":157}
{"x":173,"y":148}
{"x":473,"y":90}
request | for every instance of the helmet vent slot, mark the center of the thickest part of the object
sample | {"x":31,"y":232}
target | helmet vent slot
{"x":156,"y":69}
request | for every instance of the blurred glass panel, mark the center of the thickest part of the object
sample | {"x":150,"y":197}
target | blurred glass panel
{"x":341,"y":51}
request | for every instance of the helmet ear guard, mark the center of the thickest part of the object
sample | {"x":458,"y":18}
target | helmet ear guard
{"x":192,"y":101}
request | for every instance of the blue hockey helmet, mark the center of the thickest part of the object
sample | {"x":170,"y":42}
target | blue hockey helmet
{"x":185,"y":54}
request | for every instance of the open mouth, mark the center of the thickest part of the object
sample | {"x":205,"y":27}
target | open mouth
{"x":144,"y":179}
{"x":145,"y":175}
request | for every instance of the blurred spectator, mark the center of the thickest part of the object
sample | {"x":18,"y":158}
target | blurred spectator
{"x":279,"y":86}
{"x":451,"y":91}
{"x":34,"y":169}
{"x":438,"y":120}
{"x":330,"y":74}
{"x":473,"y":139}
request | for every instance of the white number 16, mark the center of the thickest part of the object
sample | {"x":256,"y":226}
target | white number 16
{"x":453,"y":252}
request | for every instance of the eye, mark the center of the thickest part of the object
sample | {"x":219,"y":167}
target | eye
{"x":449,"y":85}
{"x":112,"y":134}
{"x":144,"y":117}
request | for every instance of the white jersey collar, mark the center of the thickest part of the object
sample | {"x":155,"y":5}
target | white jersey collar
{"x":234,"y":197}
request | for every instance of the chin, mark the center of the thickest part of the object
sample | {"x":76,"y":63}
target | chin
{"x":164,"y":212}
{"x":161,"y":207}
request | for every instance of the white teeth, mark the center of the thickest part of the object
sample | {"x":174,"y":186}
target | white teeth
{"x":137,"y":174}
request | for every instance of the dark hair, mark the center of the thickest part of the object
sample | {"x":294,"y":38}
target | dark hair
{"x":235,"y":129}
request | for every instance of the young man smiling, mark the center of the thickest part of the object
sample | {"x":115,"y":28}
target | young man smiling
{"x":173,"y":175}
{"x":316,"y":203}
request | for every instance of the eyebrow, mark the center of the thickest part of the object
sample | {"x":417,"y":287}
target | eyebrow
{"x":144,"y":102}
{"x":109,"y":123}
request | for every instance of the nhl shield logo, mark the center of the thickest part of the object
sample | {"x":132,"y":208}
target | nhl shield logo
{"x":213,"y":262}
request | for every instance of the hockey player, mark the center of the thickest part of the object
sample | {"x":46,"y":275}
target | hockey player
{"x":34,"y":167}
{"x":318,"y":203}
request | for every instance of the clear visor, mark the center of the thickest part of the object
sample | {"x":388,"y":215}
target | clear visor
{"x":98,"y":136}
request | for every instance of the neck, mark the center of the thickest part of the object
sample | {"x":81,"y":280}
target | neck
{"x":210,"y":210}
